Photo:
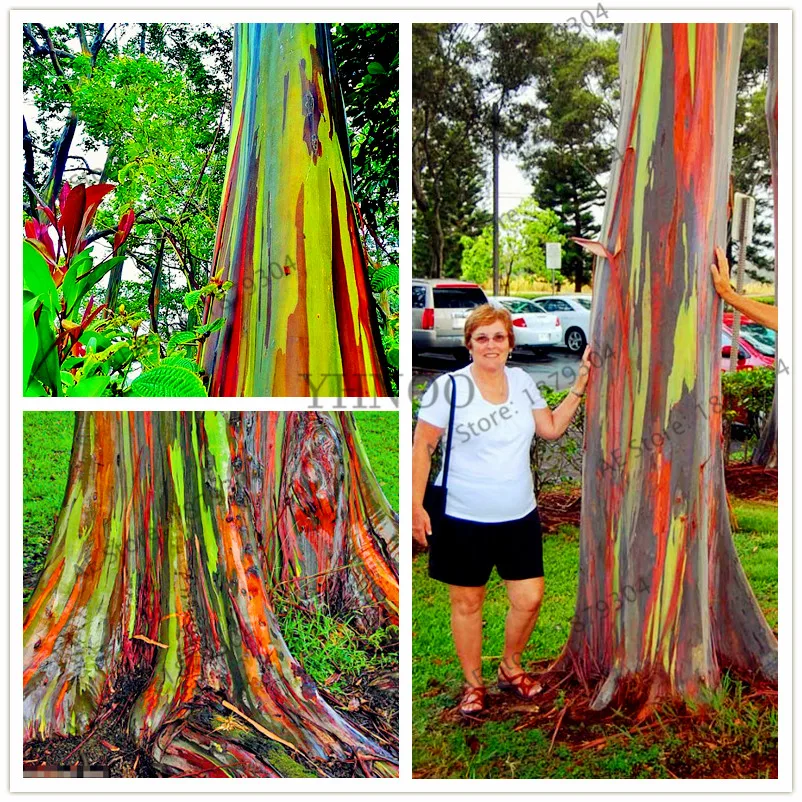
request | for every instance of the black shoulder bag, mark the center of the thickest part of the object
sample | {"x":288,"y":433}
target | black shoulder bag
{"x":434,"y":499}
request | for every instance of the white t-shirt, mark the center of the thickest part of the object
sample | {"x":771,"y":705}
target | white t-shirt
{"x":489,"y":477}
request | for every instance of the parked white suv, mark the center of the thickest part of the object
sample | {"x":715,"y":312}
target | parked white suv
{"x":439,"y":309}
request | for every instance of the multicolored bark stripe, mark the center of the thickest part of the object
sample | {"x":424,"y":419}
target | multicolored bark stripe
{"x":662,"y":594}
{"x":176,"y":530}
{"x":300,"y":319}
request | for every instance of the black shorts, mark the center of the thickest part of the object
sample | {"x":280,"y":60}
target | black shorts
{"x":464,"y":552}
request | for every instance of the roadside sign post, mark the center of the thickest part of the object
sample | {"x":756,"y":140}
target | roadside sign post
{"x":743,"y":217}
{"x":554,"y":258}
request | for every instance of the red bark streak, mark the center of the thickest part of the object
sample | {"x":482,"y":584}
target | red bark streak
{"x":350,"y":347}
{"x":297,"y":349}
{"x":37,"y":602}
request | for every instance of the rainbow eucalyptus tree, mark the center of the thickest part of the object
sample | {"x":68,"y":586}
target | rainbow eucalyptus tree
{"x":766,"y":449}
{"x":663,"y":602}
{"x":300,"y":318}
{"x":177,"y":532}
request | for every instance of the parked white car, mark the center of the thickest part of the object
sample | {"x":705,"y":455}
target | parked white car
{"x":533,"y":328}
{"x":439,"y":309}
{"x":574,"y":313}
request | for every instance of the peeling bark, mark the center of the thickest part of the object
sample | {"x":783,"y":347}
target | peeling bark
{"x":300,"y":318}
{"x":662,"y":597}
{"x":177,"y":533}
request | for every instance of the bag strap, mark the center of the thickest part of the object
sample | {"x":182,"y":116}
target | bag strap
{"x":450,"y":430}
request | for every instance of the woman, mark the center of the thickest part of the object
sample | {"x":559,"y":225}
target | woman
{"x":491,"y":513}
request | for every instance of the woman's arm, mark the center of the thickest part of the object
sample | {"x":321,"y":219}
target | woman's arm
{"x":424,"y":444}
{"x":550,"y":425}
{"x":765,"y":314}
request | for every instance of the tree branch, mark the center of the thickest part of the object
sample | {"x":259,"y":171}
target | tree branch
{"x":82,"y":38}
{"x":30,"y":180}
{"x":102,"y":42}
{"x":97,"y":42}
{"x":41,"y":50}
{"x":54,"y":56}
{"x":153,"y":300}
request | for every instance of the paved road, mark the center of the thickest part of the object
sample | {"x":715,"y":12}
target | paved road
{"x":557,"y":368}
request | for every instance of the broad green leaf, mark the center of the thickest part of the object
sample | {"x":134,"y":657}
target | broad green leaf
{"x":181,"y":338}
{"x":36,"y":276}
{"x":67,"y":378}
{"x":392,"y":357}
{"x":178,"y":361}
{"x":208,"y":328}
{"x":164,"y":382}
{"x":77,"y":284}
{"x":30,"y":339}
{"x":375,"y":68}
{"x":191,"y":298}
{"x":95,"y":340}
{"x":93,"y":386}
{"x":35,"y":389}
{"x":70,"y":362}
{"x":45,"y":366}
{"x":384,"y":278}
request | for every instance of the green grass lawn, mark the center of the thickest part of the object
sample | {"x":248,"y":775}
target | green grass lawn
{"x":505,"y":745}
{"x":378,"y":432}
{"x":46,"y":447}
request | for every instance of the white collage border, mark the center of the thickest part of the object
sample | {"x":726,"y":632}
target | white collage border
{"x":362,"y":12}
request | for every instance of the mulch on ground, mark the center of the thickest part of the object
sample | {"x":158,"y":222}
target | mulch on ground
{"x":744,"y":482}
{"x":562,"y":711}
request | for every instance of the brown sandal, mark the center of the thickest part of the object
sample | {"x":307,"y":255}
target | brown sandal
{"x":474,"y":699}
{"x":522,"y":685}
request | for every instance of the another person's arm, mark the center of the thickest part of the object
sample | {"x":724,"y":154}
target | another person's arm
{"x":424,"y":444}
{"x":551,"y":425}
{"x":765,"y":314}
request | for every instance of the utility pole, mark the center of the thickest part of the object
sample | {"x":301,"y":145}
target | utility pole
{"x":742,"y":218}
{"x":495,"y":199}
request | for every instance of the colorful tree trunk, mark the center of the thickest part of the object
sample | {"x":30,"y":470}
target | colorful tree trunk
{"x":766,"y":449}
{"x":662,"y":595}
{"x":300,"y":318}
{"x":177,"y":534}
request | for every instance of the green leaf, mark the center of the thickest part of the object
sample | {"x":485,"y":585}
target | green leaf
{"x":164,"y":382}
{"x":208,"y":328}
{"x":95,"y":340}
{"x":191,"y":299}
{"x":36,"y":276}
{"x":375,"y":68}
{"x":70,"y":362}
{"x":392,"y":357}
{"x":179,"y":361}
{"x":45,"y":365}
{"x":78,"y":282}
{"x":30,"y":339}
{"x":181,"y":338}
{"x":67,"y":378}
{"x":35,"y":389}
{"x":384,"y":278}
{"x":94,"y":386}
